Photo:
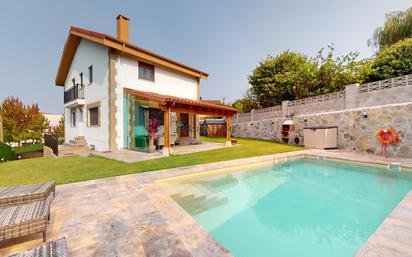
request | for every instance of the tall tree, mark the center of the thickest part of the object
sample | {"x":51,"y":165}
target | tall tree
{"x":398,"y":26}
{"x":21,"y":122}
{"x":36,"y":123}
{"x":392,"y":61}
{"x":334,"y":73}
{"x":273,"y":80}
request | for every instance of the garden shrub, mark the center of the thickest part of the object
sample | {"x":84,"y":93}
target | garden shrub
{"x":6,"y":153}
{"x":28,"y":148}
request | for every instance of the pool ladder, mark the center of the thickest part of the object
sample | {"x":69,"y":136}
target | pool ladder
{"x":395,"y":167}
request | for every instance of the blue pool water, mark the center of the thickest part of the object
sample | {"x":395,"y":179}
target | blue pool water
{"x":302,"y":207}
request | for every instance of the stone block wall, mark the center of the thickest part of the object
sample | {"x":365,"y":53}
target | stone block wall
{"x":355,"y":131}
{"x":269,"y":129}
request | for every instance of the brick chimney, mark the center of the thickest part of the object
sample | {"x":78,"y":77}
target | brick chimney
{"x":122,"y":28}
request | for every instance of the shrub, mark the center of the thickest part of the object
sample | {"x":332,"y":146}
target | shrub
{"x":28,"y":148}
{"x":6,"y":153}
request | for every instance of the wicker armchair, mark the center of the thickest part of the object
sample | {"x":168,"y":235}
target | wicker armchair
{"x":10,"y":196}
{"x":57,"y":248}
{"x":25,"y":219}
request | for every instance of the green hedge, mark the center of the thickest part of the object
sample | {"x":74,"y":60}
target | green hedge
{"x":6,"y":153}
{"x":28,"y":148}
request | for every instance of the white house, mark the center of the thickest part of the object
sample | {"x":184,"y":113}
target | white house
{"x":112,"y":88}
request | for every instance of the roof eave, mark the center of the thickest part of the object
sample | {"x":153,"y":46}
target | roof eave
{"x":76,"y":34}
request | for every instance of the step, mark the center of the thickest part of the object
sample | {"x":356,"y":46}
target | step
{"x":70,"y":145}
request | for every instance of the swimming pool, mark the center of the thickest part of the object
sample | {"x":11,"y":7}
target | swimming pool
{"x":300,"y":207}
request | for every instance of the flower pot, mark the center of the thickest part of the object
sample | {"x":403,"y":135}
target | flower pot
{"x":152,"y":147}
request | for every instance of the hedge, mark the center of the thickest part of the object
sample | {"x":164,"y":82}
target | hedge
{"x":28,"y":148}
{"x":6,"y":153}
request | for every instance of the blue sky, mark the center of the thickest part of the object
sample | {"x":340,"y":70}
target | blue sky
{"x":227,"y":39}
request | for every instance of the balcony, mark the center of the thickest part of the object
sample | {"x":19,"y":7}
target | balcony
{"x":74,"y":96}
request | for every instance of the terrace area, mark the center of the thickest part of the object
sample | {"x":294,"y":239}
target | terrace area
{"x":138,"y":218}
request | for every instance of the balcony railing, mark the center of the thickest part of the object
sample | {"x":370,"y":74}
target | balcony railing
{"x":76,"y":92}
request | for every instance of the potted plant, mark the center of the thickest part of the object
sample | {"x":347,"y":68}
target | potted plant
{"x":152,"y":129}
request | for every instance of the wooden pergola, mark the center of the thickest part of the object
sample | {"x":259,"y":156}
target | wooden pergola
{"x":170,"y":104}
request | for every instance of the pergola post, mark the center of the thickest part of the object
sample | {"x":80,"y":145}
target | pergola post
{"x":194,"y":126}
{"x":228,"y":130}
{"x":166,"y":147}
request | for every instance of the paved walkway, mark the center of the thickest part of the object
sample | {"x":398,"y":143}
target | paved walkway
{"x":132,"y":215}
{"x":135,"y":156}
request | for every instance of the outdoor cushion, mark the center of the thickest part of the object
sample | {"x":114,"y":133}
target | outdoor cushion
{"x":24,"y":219}
{"x":25,"y":194}
{"x":57,"y":248}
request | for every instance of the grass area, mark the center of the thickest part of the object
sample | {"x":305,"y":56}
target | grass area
{"x":28,"y":148}
{"x":75,"y":168}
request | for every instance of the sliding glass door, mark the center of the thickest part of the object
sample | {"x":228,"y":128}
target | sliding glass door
{"x":136,"y":118}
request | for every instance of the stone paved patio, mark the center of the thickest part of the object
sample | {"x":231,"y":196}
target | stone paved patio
{"x":133,"y":216}
{"x":130,"y":156}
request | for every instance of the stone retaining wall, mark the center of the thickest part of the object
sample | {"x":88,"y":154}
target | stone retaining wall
{"x":355,"y":131}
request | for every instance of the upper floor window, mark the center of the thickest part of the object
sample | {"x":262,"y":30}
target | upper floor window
{"x":90,"y":74}
{"x":146,"y":71}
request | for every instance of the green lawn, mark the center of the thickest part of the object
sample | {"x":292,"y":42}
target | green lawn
{"x":75,"y":168}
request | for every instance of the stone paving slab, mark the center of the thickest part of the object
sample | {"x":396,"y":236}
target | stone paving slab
{"x":130,"y":156}
{"x":132,"y":215}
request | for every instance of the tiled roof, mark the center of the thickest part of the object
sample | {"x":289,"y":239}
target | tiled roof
{"x":103,"y":36}
{"x":168,"y":99}
{"x":213,"y":101}
{"x":87,"y":32}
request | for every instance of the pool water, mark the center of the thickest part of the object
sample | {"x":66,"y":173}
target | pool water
{"x":302,"y":207}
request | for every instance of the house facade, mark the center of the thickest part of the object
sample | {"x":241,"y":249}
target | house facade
{"x":112,"y":89}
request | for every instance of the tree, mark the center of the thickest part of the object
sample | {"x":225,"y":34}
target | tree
{"x":21,"y":122}
{"x":13,"y":112}
{"x":58,"y":131}
{"x":398,"y":26}
{"x":246,"y":104}
{"x":36,"y":123}
{"x":392,"y":61}
{"x":291,"y":75}
{"x":274,"y":79}
{"x":334,"y":73}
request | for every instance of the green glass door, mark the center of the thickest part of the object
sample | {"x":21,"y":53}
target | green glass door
{"x":136,"y":116}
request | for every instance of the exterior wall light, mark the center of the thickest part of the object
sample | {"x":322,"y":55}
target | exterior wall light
{"x":305,"y":119}
{"x":365,"y":115}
